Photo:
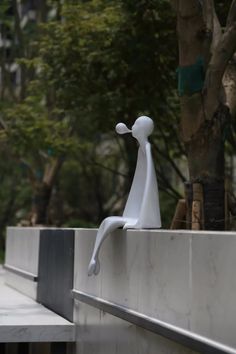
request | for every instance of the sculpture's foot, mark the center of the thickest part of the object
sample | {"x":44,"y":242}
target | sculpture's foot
{"x":94,"y":267}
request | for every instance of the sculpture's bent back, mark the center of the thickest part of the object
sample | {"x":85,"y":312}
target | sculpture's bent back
{"x":142,"y":210}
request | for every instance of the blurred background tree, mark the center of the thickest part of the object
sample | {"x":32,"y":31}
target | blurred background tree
{"x":206,"y":86}
{"x":69,"y":72}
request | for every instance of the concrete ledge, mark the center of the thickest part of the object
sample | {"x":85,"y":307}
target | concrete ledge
{"x":24,"y":320}
{"x":183,"y":278}
{"x":20,"y":272}
{"x":163,"y":280}
{"x":21,"y":284}
{"x":22,"y":257}
{"x":179,"y":335}
{"x":22,"y":248}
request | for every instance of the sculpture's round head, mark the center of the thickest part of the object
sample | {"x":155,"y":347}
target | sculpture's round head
{"x":142,"y":128}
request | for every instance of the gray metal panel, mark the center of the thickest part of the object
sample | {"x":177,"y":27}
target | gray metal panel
{"x":177,"y":334}
{"x":55,"y":276}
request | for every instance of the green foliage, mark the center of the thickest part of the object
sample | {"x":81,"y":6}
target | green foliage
{"x":31,"y":129}
{"x":15,"y":193}
{"x":93,"y":64}
{"x":5,"y":14}
{"x":98,"y":62}
{"x":106,"y":60}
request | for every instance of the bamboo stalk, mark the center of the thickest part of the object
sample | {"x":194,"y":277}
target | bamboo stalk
{"x":198,"y":196}
{"x":196,"y":215}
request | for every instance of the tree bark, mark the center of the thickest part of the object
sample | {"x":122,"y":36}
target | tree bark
{"x":204,"y":113}
{"x":42,"y":193}
{"x":41,"y":199}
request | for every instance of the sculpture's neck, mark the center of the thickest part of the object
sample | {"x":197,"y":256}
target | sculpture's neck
{"x":142,"y":144}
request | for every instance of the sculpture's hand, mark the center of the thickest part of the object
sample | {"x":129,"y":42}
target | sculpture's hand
{"x":94,"y":267}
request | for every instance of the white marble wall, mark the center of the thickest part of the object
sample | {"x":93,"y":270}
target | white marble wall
{"x":214,"y":286}
{"x":101,"y":333}
{"x":24,"y":320}
{"x":185,"y":278}
{"x":22,"y":248}
{"x":21,"y":284}
{"x":22,"y":253}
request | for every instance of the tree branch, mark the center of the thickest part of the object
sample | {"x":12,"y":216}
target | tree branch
{"x":20,"y":47}
{"x":213,"y":29}
{"x":165,"y":185}
{"x":3,"y":124}
{"x":30,"y":171}
{"x":216,"y":69}
{"x":229,"y":82}
{"x":93,"y":162}
{"x":51,"y":171}
{"x":217,"y":30}
{"x":208,"y":14}
{"x":171,"y":161}
{"x":231,"y":15}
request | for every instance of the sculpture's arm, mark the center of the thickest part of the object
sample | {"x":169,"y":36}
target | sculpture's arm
{"x":107,"y":226}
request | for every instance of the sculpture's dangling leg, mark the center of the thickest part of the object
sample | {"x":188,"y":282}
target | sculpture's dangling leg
{"x":107,"y":226}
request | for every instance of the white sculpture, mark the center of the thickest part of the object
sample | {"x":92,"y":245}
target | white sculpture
{"x":142,"y":210}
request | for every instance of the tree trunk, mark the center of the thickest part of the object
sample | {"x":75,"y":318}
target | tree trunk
{"x":42,"y":193}
{"x":204,"y":53}
{"x":205,"y":153}
{"x":41,"y":199}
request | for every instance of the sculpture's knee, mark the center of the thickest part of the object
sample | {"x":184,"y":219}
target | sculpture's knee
{"x":104,"y":226}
